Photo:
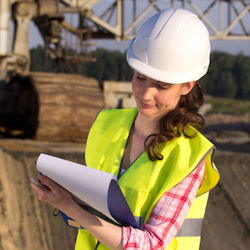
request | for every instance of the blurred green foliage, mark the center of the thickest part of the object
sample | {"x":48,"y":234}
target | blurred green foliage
{"x":228,"y":105}
{"x":228,"y":75}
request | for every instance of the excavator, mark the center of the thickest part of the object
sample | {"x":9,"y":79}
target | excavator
{"x":101,"y":19}
{"x":19,"y":98}
{"x":105,"y":22}
{"x":22,"y":106}
{"x":50,"y":18}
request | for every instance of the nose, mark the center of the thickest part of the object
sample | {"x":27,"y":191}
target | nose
{"x":148,"y":92}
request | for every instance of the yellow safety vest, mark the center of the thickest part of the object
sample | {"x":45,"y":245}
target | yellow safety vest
{"x":145,"y":181}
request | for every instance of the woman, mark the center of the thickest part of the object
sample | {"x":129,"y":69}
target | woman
{"x":163,"y":163}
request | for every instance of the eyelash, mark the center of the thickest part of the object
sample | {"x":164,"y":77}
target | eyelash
{"x":161,"y":87}
{"x":140,"y":78}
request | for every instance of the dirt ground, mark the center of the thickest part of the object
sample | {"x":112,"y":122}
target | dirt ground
{"x":229,"y":132}
{"x":28,"y":224}
{"x":227,"y":221}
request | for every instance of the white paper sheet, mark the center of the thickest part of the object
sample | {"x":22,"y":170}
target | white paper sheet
{"x":87,"y":184}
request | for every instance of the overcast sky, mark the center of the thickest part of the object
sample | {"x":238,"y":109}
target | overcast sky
{"x":229,"y":46}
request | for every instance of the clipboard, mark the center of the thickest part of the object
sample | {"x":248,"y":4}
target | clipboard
{"x":94,"y":190}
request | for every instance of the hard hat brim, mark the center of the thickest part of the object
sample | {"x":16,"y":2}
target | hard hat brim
{"x":168,"y":77}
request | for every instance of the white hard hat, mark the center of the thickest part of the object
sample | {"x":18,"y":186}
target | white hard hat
{"x":172,"y":46}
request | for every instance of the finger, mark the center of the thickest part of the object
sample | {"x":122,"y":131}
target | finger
{"x":36,"y":181}
{"x":45,"y":180}
{"x":39,"y":188}
{"x":43,"y":192}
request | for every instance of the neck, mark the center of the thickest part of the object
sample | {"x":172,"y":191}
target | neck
{"x":145,"y":126}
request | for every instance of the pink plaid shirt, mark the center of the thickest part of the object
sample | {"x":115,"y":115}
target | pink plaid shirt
{"x":166,"y":217}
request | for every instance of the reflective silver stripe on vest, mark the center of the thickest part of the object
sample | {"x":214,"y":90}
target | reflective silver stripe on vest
{"x":140,"y":220}
{"x":190,"y":228}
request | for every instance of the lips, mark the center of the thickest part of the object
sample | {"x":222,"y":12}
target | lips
{"x":148,"y":106}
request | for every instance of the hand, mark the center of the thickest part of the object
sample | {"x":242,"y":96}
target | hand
{"x":53,"y":194}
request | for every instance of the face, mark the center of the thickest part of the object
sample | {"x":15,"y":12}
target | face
{"x":155,"y":99}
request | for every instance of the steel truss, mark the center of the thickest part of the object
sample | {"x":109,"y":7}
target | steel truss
{"x":100,"y":19}
{"x":224,"y":19}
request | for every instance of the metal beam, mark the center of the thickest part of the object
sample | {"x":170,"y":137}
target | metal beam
{"x":219,"y":29}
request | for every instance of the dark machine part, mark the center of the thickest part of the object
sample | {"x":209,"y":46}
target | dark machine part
{"x":19,"y":108}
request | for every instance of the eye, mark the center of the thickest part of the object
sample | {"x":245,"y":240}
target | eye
{"x":162,"y":86}
{"x":140,"y":78}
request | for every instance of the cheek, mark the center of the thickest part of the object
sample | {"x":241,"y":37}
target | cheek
{"x":169,"y":100}
{"x":135,"y":88}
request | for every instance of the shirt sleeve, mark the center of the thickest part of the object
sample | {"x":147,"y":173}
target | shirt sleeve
{"x":167,"y":216}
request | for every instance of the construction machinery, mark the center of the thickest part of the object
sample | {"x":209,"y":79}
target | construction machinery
{"x":98,"y":19}
{"x":87,"y":20}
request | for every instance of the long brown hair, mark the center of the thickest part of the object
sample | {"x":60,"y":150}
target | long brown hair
{"x":177,"y":121}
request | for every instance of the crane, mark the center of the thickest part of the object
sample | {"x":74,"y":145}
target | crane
{"x":113,"y":19}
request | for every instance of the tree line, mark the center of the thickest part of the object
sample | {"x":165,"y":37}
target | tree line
{"x":228,"y":75}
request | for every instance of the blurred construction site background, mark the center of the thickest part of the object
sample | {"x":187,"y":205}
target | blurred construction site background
{"x":50,"y":95}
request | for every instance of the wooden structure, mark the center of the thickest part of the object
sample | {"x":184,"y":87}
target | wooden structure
{"x":68,"y":106}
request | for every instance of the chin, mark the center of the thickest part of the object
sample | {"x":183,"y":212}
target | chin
{"x":153,"y":113}
{"x":148,"y":112}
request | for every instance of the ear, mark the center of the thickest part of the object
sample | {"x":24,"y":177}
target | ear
{"x":187,"y":87}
